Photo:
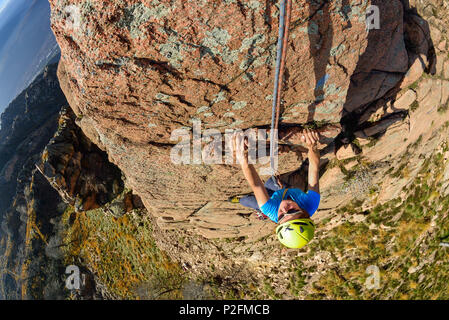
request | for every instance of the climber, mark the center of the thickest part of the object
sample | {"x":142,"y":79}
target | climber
{"x":290,"y":208}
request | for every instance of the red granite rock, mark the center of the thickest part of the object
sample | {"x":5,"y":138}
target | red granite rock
{"x":135,"y":71}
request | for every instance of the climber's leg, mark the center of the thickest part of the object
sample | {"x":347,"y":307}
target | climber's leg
{"x":249,"y":202}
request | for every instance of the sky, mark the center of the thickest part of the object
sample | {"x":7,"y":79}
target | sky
{"x":4,"y":4}
{"x":26,"y":45}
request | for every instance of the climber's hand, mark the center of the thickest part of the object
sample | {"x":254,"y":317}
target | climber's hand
{"x":241,"y":147}
{"x":310,"y":138}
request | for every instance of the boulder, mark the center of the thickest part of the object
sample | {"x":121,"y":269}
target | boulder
{"x":136,"y":71}
{"x":439,"y":67}
{"x":384,"y":108}
{"x":418,"y":38}
{"x":382,"y":125}
{"x":418,"y":66}
{"x":404,"y":101}
{"x":442,"y":45}
{"x":390,"y":144}
{"x":383,"y":64}
{"x":77,"y":168}
{"x":433,"y":93}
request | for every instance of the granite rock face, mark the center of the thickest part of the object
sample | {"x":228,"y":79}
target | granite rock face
{"x":135,"y":71}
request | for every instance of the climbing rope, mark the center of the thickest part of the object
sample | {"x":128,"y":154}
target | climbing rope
{"x":284,"y":24}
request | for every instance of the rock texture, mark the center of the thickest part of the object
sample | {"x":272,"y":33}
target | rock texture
{"x":77,"y":168}
{"x":135,"y":71}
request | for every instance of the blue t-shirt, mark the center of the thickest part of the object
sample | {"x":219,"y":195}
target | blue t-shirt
{"x":308,"y":201}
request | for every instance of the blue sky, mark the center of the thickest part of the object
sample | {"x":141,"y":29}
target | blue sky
{"x":9,"y":14}
{"x":26,"y":44}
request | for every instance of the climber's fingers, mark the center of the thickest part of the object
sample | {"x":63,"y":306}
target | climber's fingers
{"x":310,"y":137}
{"x":305,"y":136}
{"x":313,"y":137}
{"x":242,"y":141}
{"x":316,"y":135}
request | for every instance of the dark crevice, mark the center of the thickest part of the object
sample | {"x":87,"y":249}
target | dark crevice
{"x":162,"y":145}
{"x":183,"y":100}
{"x":267,"y":16}
{"x":161,"y":66}
{"x":223,"y":87}
{"x":241,"y":8}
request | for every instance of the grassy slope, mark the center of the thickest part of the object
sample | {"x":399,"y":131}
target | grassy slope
{"x":400,"y":237}
{"x":122,"y":254}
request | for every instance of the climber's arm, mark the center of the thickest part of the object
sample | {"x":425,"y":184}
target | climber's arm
{"x":314,"y":170}
{"x":311,"y":139}
{"x":256,"y":184}
{"x":250,"y":173}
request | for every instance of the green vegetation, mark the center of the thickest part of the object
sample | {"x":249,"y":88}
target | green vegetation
{"x":414,"y":85}
{"x":401,"y":237}
{"x":298,"y":279}
{"x":443,"y":108}
{"x":314,"y":125}
{"x":414,"y":106}
{"x":122,"y":254}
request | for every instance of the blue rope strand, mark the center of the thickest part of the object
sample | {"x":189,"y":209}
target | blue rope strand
{"x":277,"y":82}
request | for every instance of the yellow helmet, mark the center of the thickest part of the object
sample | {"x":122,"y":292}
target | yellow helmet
{"x":296,"y":233}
